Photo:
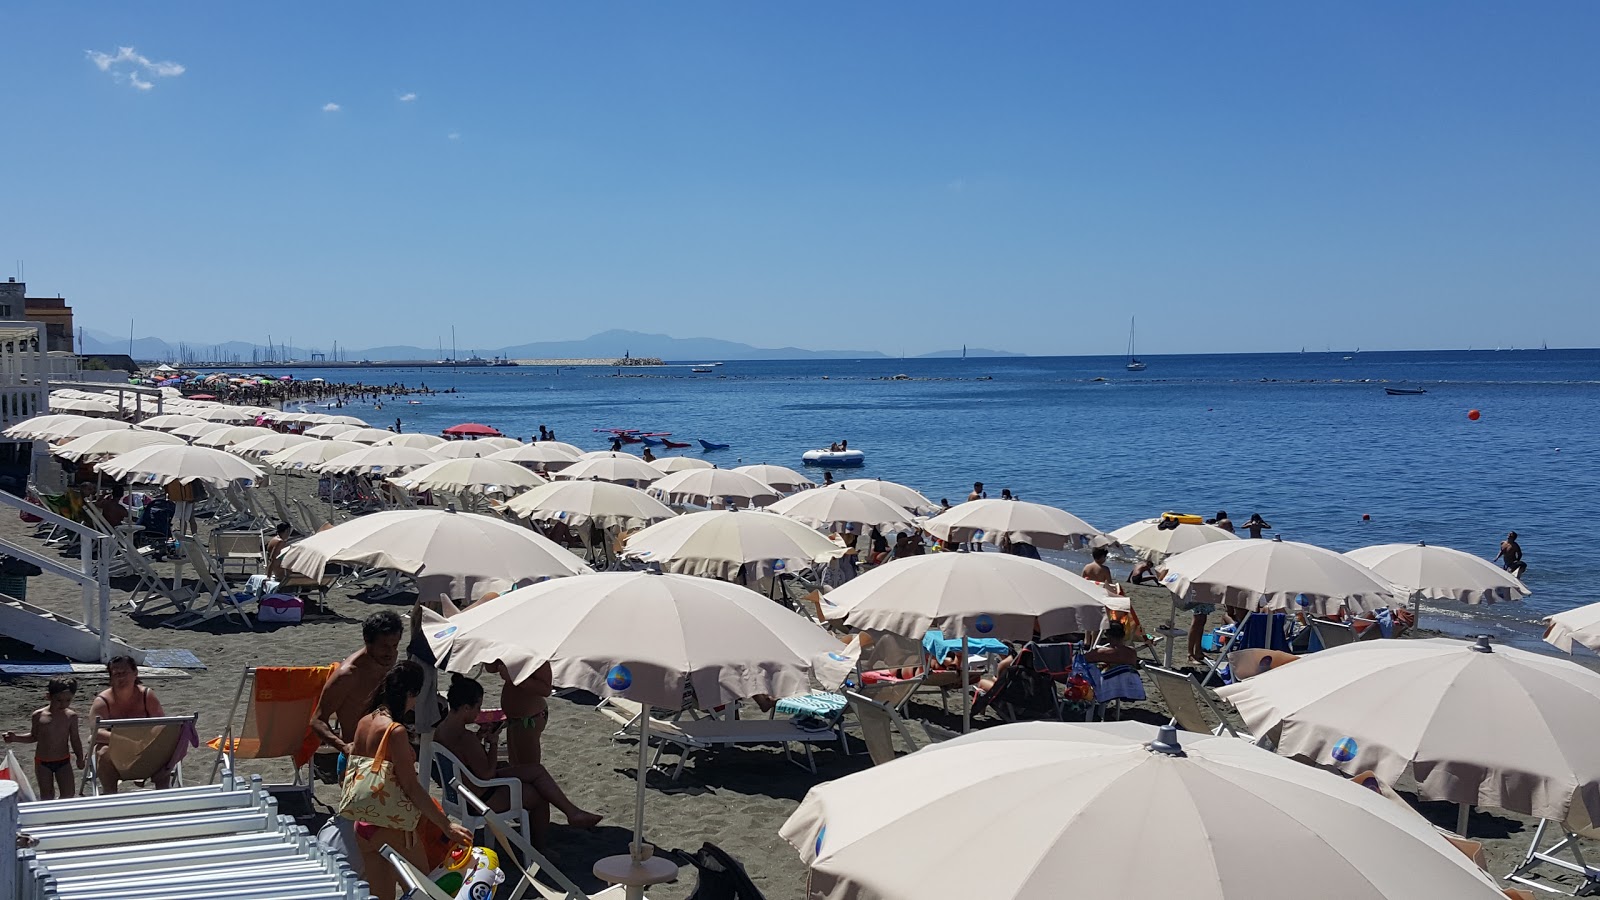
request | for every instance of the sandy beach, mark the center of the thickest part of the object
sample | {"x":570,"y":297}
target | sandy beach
{"x":736,"y":799}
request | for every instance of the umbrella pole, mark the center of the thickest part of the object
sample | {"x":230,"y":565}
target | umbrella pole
{"x":1462,"y":813}
{"x":637,"y":848}
{"x":1172,"y":629}
{"x":966,"y":692}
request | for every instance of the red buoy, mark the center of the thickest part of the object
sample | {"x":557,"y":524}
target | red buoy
{"x":1474,"y":415}
{"x":1366,"y":517}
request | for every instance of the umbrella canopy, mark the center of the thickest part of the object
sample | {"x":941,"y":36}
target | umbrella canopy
{"x":344,"y":420}
{"x":311,"y":454}
{"x":823,"y":508}
{"x":499,"y":443}
{"x":782,"y":478}
{"x":465,"y":449}
{"x":63,"y":427}
{"x":364,"y":435}
{"x":551,"y":456}
{"x":1479,"y":725}
{"x":704,"y":487}
{"x":618,"y":469}
{"x":170,"y":421}
{"x":271,"y":443}
{"x":331,"y":430}
{"x":1231,"y":822}
{"x":223,"y":437}
{"x":415,"y":441}
{"x":973,"y":594}
{"x":489,"y":476}
{"x":894,"y":492}
{"x":605,"y":454}
{"x":1160,"y":543}
{"x":575,"y":450}
{"x":1276,"y":575}
{"x":200,"y":429}
{"x":472,"y":429}
{"x":669,"y":464}
{"x":582,"y":502}
{"x":233,"y":414}
{"x":374,"y":460}
{"x":83,"y":405}
{"x":717,"y":543}
{"x":1575,"y":626}
{"x":450,"y":552}
{"x":1030,"y":523}
{"x":1440,"y":573}
{"x":164,"y":464}
{"x":112,"y":443}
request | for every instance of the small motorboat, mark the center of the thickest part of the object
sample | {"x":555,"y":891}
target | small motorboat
{"x":673,"y":445}
{"x":707,"y":445}
{"x":1403,"y":392}
{"x":702,"y":370}
{"x":834,"y":458}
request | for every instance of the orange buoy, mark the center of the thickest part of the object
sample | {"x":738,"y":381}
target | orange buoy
{"x":1366,"y":517}
{"x":1473,"y":415}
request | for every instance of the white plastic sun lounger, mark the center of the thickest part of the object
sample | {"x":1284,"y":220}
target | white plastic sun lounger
{"x":702,"y":734}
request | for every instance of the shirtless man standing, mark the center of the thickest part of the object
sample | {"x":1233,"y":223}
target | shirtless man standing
{"x":345,"y":695}
{"x":527,"y":712}
{"x":1098,"y":570}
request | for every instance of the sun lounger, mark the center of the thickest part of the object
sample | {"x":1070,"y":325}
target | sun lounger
{"x":703,"y":734}
{"x":1535,"y":858}
{"x":142,"y":748}
{"x":1184,"y":699}
{"x":277,"y":720}
{"x":452,"y":775}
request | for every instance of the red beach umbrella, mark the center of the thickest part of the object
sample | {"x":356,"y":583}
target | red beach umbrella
{"x":472,"y":429}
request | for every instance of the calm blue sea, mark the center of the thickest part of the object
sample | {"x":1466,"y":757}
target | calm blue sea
{"x":1309,"y":440}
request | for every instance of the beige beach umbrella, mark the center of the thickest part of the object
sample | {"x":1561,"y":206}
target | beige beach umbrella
{"x":1277,"y":575}
{"x":782,"y":478}
{"x":667,"y":465}
{"x":372,"y":460}
{"x":545,"y":454}
{"x":824,"y":508}
{"x":576,"y":451}
{"x":225,"y":437}
{"x":718,"y":543}
{"x":1575,"y":626}
{"x":621,"y":469}
{"x":333,"y":419}
{"x":605,"y":454}
{"x":582,"y":502}
{"x":1230,"y":822}
{"x":200,"y":429}
{"x":62,"y":427}
{"x":705,"y":487}
{"x":1159,"y":543}
{"x":655,"y":639}
{"x":1440,"y":573}
{"x":894,"y":492}
{"x":83,"y":406}
{"x":268,"y":444}
{"x":456,"y":553}
{"x":414,"y":441}
{"x":365,"y":435}
{"x":311,"y":454}
{"x":172,"y":421}
{"x":498,"y":443}
{"x":465,"y":450}
{"x":231,"y":414}
{"x":987,"y":521}
{"x":332,"y":431}
{"x":486,"y":476}
{"x":1476,"y":724}
{"x":112,"y":443}
{"x":164,"y":464}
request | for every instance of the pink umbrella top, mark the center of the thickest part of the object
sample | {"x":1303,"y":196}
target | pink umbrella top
{"x":472,"y":429}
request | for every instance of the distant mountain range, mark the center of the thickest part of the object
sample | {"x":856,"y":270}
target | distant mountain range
{"x":615,"y":342}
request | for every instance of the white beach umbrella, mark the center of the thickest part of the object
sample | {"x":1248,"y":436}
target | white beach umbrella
{"x":63,"y":427}
{"x":704,"y":487}
{"x":1440,"y":573}
{"x":332,"y":431}
{"x":551,"y":457}
{"x":719,"y":542}
{"x":200,"y":429}
{"x":171,"y":421}
{"x":112,"y":443}
{"x":334,"y":419}
{"x":232,"y":414}
{"x":666,"y":465}
{"x":605,"y":454}
{"x":465,"y":450}
{"x":83,"y":406}
{"x":647,"y":638}
{"x":312,"y":454}
{"x":987,"y":521}
{"x":1477,"y":725}
{"x":224,"y":437}
{"x":488,"y":476}
{"x":581,"y":502}
{"x":415,"y":441}
{"x":622,"y":469}
{"x":1159,"y":543}
{"x":268,"y":444}
{"x":447,"y":551}
{"x":372,"y":460}
{"x":1231,"y":822}
{"x":1575,"y":626}
{"x":782,"y":478}
{"x":1277,"y":575}
{"x":894,"y":492}
{"x":365,"y":435}
{"x":824,"y":508}
{"x":575,"y":450}
{"x":498,"y":443}
{"x":164,"y":464}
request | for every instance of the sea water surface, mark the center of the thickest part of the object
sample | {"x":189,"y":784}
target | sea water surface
{"x":1309,"y":440}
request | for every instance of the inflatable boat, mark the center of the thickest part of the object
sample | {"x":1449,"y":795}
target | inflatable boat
{"x":834,"y":458}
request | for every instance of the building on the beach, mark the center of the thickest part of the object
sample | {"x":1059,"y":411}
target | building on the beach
{"x":51,"y":312}
{"x":24,"y":371}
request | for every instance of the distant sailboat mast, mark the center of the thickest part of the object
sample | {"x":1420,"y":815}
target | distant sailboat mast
{"x":1134,"y":365}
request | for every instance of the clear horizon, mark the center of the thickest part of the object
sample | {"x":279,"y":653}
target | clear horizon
{"x":904,"y":178}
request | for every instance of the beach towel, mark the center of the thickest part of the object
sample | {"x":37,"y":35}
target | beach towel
{"x":11,"y":770}
{"x":277,"y":722}
{"x":1120,"y":683}
{"x":937,"y":646}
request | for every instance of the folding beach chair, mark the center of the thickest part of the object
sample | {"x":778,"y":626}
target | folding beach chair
{"x":451,"y":775}
{"x":880,"y":720}
{"x":1246,"y":664}
{"x":1535,"y":858}
{"x":1184,"y":698}
{"x":277,"y":720}
{"x":213,"y":586}
{"x":143,"y":748}
{"x":1330,"y":634}
{"x":247,"y":548}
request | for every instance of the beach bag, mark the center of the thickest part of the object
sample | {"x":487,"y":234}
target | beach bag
{"x":29,"y":517}
{"x":371,"y":794}
{"x":280,"y":608}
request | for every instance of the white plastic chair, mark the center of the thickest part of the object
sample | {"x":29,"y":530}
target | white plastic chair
{"x":451,"y":775}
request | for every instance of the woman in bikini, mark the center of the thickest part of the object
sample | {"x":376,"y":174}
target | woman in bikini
{"x":127,"y":698}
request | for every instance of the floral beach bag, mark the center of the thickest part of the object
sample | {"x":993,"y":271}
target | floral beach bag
{"x":371,"y":794}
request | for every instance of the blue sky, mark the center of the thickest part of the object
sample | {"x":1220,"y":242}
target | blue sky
{"x":898,"y":176}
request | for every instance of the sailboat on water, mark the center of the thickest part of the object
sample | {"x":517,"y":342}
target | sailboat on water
{"x":1134,"y":363}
